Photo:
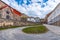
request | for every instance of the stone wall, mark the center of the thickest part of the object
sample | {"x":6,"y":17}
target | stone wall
{"x":5,"y":22}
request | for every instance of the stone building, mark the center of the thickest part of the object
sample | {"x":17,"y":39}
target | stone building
{"x":54,"y":18}
{"x":11,"y":17}
{"x":8,"y":15}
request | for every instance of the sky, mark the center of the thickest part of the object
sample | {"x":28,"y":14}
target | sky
{"x":34,"y":8}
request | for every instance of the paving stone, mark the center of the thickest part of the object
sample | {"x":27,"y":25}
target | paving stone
{"x":17,"y":34}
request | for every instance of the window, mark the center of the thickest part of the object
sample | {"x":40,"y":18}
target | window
{"x":7,"y":17}
{"x":7,"y":12}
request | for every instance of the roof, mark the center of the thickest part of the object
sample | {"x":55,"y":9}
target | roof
{"x":16,"y":12}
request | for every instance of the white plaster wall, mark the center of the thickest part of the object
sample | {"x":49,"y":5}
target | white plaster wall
{"x":54,"y":14}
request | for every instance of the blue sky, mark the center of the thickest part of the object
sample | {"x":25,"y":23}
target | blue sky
{"x":35,"y":8}
{"x":28,"y":2}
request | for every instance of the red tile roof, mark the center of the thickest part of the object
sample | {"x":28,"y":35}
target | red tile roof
{"x":16,"y":12}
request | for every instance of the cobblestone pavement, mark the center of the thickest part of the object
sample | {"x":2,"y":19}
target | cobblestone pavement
{"x":17,"y":34}
{"x":55,"y":29}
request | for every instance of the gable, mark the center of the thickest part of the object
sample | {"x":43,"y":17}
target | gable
{"x":5,"y":5}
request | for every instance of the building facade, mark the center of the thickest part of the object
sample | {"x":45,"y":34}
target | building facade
{"x":54,"y":17}
{"x":8,"y":15}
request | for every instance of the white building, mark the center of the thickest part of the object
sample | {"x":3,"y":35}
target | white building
{"x":54,"y":17}
{"x":33,"y":19}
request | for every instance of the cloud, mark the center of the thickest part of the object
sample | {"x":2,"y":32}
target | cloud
{"x":34,"y":9}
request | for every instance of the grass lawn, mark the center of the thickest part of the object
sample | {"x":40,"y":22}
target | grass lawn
{"x":37,"y":29}
{"x":9,"y":27}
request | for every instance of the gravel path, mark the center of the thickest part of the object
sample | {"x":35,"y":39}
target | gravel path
{"x":17,"y":34}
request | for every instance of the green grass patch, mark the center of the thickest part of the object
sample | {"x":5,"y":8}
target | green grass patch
{"x":37,"y":29}
{"x":8,"y":27}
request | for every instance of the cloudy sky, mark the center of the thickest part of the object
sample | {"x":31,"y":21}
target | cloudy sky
{"x":35,"y":8}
